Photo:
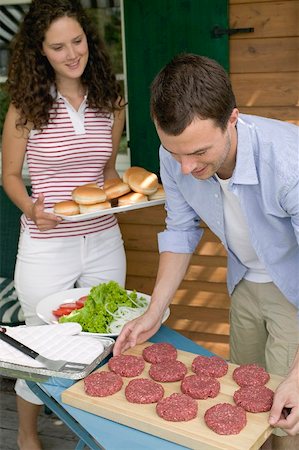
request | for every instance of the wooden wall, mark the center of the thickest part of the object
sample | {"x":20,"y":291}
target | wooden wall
{"x":264,"y":65}
{"x":264,"y":69}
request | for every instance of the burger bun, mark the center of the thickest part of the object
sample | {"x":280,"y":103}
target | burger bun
{"x":87,"y":195}
{"x":130,"y":171}
{"x":159,"y":194}
{"x":84,"y":209}
{"x":117,"y":190}
{"x":143,"y":182}
{"x":66,"y":208}
{"x":131,"y":198}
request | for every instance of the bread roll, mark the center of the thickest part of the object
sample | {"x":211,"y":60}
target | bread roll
{"x":95,"y":207}
{"x":143,"y":182}
{"x":66,"y":208}
{"x":131,"y":198}
{"x":159,"y":194}
{"x":86,"y":195}
{"x":111,"y":182}
{"x":132,"y":170}
{"x":95,"y":185}
{"x":117,"y":190}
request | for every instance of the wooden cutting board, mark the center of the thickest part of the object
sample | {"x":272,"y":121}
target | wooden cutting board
{"x":193,"y":434}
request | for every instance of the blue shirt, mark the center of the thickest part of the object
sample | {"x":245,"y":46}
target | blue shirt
{"x":266,"y":182}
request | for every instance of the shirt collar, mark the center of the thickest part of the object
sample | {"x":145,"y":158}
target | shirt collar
{"x":57,"y":95}
{"x":245,"y":171}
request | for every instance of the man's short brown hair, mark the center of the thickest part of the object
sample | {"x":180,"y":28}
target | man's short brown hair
{"x":191,"y":86}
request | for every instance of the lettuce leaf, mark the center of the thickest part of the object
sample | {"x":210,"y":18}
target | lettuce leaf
{"x":102,"y":302}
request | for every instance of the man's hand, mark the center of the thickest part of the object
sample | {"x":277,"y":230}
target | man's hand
{"x":285,"y":409}
{"x":43,"y":220}
{"x":137,"y":331}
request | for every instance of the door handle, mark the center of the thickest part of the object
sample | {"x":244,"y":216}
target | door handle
{"x":217,"y":32}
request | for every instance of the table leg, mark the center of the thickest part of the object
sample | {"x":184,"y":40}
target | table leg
{"x":50,"y":402}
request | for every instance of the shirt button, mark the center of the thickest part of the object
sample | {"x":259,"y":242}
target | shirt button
{"x":218,"y":222}
{"x":216,"y":195}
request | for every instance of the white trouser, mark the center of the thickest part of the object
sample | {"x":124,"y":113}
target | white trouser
{"x":47,"y":266}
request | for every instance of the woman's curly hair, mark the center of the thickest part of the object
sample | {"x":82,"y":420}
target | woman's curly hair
{"x":30,"y":76}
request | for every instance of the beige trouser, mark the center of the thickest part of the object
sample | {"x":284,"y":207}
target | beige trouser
{"x":264,"y":328}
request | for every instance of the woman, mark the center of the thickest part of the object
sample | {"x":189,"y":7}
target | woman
{"x":66,"y":117}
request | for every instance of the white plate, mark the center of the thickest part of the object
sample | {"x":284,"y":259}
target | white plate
{"x":113,"y":210}
{"x":45,"y":307}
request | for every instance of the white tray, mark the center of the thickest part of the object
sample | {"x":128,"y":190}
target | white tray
{"x":113,"y":210}
{"x":56,"y":342}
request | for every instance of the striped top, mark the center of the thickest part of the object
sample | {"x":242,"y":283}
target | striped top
{"x":70,"y":151}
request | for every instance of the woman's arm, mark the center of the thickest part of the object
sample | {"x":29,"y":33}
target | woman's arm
{"x":13,"y":154}
{"x":117,"y":130}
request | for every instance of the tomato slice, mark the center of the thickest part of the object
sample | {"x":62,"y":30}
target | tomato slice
{"x":68,"y":306}
{"x":62,"y":311}
{"x":81,"y":301}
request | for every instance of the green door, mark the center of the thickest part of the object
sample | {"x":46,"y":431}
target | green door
{"x":155,"y":31}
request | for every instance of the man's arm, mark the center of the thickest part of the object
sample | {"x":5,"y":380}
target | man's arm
{"x":171,"y":271}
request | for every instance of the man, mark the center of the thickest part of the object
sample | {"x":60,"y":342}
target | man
{"x":240,"y":174}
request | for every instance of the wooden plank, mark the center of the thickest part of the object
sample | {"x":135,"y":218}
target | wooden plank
{"x":209,"y":261}
{"x":140,"y":237}
{"x":146,"y":285}
{"x":146,"y":264}
{"x":215,"y":343}
{"x":199,"y":314}
{"x":204,"y":273}
{"x":264,"y":55}
{"x":207,"y":337}
{"x":152,"y":258}
{"x":266,"y":89}
{"x":289,"y":114}
{"x":148,"y":216}
{"x":193,"y":434}
{"x":210,"y":248}
{"x":201,"y":298}
{"x":214,"y":322}
{"x":271,"y":19}
{"x":233,"y":2}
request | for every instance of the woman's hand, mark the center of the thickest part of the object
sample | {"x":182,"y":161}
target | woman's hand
{"x":43,"y":220}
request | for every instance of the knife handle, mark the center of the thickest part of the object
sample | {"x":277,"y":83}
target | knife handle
{"x":18,"y":345}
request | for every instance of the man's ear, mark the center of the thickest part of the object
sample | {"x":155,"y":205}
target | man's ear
{"x":234,"y":117}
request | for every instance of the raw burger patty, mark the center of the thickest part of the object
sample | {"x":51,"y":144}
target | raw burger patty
{"x":250,"y":375}
{"x":102,"y":384}
{"x":212,"y":366}
{"x":126,"y":365}
{"x":168,"y":371}
{"x":254,"y":398}
{"x":160,"y":352}
{"x":177,"y":408}
{"x":200,"y":386}
{"x":143,"y":390}
{"x":225,"y":418}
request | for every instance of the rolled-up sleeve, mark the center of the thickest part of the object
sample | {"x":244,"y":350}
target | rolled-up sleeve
{"x":182,"y":232}
{"x":179,"y":241}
